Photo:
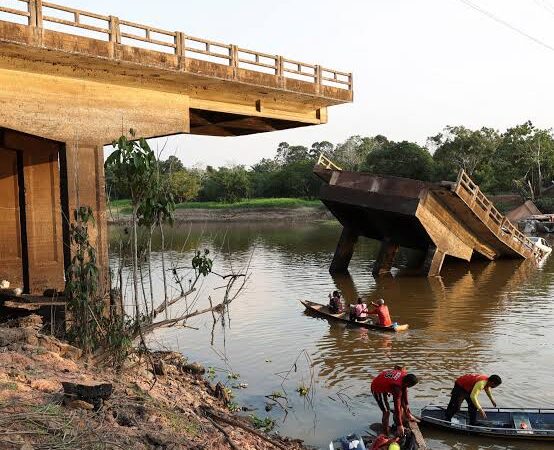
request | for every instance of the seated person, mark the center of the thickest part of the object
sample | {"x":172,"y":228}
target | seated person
{"x":335,"y":303}
{"x":382,"y":312}
{"x":361,"y":311}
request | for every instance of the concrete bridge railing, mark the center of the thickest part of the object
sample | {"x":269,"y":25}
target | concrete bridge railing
{"x":45,"y":15}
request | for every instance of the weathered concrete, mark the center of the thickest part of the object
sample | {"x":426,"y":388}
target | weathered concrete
{"x":385,"y":257}
{"x":65,"y":95}
{"x":344,"y":251}
{"x":439,"y":219}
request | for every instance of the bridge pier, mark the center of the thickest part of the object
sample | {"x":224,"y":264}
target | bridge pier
{"x":433,"y":262}
{"x":385,"y":257}
{"x":344,"y":251}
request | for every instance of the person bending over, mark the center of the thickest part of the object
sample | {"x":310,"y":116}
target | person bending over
{"x":396,"y":383}
{"x":468,"y":387}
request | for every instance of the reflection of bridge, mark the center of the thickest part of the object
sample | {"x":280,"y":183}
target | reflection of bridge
{"x":440,"y":219}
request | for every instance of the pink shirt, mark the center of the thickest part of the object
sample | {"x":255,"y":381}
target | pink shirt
{"x":361,"y":310}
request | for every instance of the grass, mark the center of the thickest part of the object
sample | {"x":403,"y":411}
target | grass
{"x":124,"y":206}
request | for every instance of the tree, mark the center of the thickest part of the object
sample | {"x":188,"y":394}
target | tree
{"x":523,"y":160}
{"x":458,"y":148}
{"x":184,"y":185}
{"x":352,"y":153}
{"x":401,"y":159}
{"x":227,"y":184}
{"x":324,"y":147}
{"x":172,"y":164}
{"x":135,"y":164}
{"x":287,"y":154}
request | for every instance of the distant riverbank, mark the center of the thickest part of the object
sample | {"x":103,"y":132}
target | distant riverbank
{"x":252,"y":210}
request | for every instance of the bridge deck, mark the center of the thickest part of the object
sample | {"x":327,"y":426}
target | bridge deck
{"x":440,"y":219}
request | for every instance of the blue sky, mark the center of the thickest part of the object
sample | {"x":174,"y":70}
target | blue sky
{"x":418,"y":65}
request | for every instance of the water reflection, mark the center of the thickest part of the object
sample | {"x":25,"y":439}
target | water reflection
{"x":492,"y":317}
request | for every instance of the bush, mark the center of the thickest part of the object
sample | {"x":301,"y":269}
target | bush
{"x":545,"y":204}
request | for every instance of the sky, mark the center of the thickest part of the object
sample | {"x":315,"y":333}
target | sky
{"x":419,"y":65}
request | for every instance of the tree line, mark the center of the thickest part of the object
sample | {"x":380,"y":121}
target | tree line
{"x":518,"y":160}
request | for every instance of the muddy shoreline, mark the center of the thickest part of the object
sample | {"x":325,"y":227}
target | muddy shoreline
{"x":238,"y":215}
{"x":167,"y":406}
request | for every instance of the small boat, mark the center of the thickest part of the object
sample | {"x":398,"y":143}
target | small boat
{"x":510,"y":423}
{"x":541,"y":244}
{"x":323,"y":310}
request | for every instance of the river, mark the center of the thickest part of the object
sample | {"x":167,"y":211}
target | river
{"x":487,"y":317}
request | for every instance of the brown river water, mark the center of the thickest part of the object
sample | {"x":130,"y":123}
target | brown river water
{"x":486,"y":317}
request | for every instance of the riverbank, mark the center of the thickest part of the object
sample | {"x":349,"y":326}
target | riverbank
{"x":174,"y":409}
{"x":253,"y":210}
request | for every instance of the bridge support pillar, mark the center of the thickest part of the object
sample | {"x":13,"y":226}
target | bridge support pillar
{"x":344,"y":251}
{"x":385,"y":258}
{"x":432,"y":264}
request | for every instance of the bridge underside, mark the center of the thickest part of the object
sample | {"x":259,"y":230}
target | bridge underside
{"x":64,"y":95}
{"x":436,"y":219}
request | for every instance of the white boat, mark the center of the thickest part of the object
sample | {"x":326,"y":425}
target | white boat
{"x":541,"y":244}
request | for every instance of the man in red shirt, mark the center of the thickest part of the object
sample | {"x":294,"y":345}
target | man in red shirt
{"x":468,"y":387}
{"x":382,"y":312}
{"x":395,"y":382}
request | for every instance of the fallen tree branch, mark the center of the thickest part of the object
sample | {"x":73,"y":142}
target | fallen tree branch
{"x":232,"y":443}
{"x":236,"y":423}
{"x":169,"y":322}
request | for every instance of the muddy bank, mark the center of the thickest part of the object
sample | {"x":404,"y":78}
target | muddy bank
{"x":175,"y":409}
{"x":238,"y":215}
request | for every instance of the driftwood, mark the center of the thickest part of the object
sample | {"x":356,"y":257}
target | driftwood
{"x":235,"y":423}
{"x":232,"y":443}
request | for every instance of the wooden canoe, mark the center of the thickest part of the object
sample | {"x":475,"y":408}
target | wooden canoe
{"x":509,"y":423}
{"x":322,"y":310}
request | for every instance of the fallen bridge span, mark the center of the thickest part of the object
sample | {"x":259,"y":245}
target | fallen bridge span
{"x":440,"y":219}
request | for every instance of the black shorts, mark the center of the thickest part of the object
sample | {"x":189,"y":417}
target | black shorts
{"x":383,"y":401}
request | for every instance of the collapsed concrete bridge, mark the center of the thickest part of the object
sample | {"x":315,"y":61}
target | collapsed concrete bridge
{"x":440,"y":219}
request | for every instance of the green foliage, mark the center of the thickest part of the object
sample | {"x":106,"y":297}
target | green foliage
{"x":89,"y":328}
{"x":201,"y":263}
{"x":402,"y":159}
{"x":524,"y":160}
{"x":133,"y":163}
{"x":184,"y":185}
{"x":303,"y":390}
{"x":211,"y":373}
{"x":521,"y":159}
{"x":266,"y":424}
{"x":124,"y":206}
{"x":353,"y":153}
{"x":459,"y":148}
{"x":226,"y":184}
{"x":171,"y":165}
{"x":81,"y":289}
{"x":545,"y":204}
{"x":233,"y":407}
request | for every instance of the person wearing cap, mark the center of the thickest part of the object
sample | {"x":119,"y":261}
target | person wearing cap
{"x":396,"y":383}
{"x":468,"y":387}
{"x":382,"y":312}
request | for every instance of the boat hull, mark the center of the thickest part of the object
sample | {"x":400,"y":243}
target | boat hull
{"x":507,"y":423}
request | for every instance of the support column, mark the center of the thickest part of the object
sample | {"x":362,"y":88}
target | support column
{"x":344,"y":251}
{"x":385,"y":258}
{"x":433,"y":262}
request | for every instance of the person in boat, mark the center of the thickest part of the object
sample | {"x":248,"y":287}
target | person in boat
{"x":383,"y":442}
{"x":335,"y":303}
{"x":360,"y":310}
{"x":382,"y":312}
{"x":394,"y":382}
{"x":468,"y":387}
